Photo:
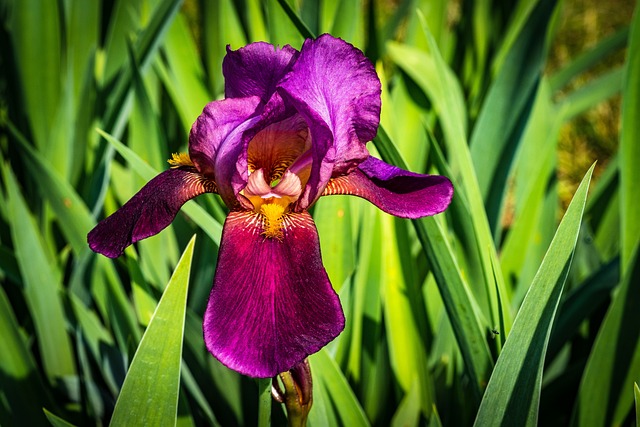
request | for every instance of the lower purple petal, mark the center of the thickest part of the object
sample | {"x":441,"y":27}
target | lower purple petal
{"x":149,"y":211}
{"x":271,"y":304}
{"x":394,"y":190}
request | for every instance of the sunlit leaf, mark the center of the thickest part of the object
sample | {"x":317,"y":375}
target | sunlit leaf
{"x":513,"y":392}
{"x":149,"y":395}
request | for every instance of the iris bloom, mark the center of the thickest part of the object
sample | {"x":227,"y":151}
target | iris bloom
{"x":292,"y":128}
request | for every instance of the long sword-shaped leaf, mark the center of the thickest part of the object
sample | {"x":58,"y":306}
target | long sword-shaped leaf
{"x":495,"y":311}
{"x":589,"y":58}
{"x":41,"y":285}
{"x":614,"y":363}
{"x":71,"y":212}
{"x":22,"y":392}
{"x":630,"y":148}
{"x":149,"y":395}
{"x":36,"y":36}
{"x":455,"y":294}
{"x":119,"y":104}
{"x":328,"y":374}
{"x":636,"y":394}
{"x":513,"y":394}
{"x":498,"y":131}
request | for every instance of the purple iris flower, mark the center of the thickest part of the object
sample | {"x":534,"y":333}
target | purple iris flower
{"x":292,"y":127}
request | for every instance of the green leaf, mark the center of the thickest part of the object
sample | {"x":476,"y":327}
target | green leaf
{"x":348,"y":21}
{"x":22,"y":392}
{"x":56,"y":421}
{"x":124,"y":22}
{"x":328,"y":375}
{"x":404,"y":318}
{"x":513,"y":393}
{"x":42,"y":290}
{"x":452,"y":107}
{"x":145,"y":48}
{"x":629,"y":148}
{"x":264,"y":402}
{"x":636,"y":394}
{"x":588,"y":59}
{"x":71,"y":211}
{"x":149,"y":395}
{"x":592,"y":93}
{"x":408,"y":413}
{"x":295,"y":20}
{"x":459,"y":303}
{"x":498,"y":130}
{"x":183,"y":73}
{"x":333,"y":217}
{"x":614,"y":362}
{"x":581,"y":303}
{"x":221,"y":27}
{"x":36,"y":36}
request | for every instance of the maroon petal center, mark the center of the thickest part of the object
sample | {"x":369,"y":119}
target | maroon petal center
{"x":272,"y":303}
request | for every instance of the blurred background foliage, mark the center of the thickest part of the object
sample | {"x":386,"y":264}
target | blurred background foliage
{"x":494,"y":313}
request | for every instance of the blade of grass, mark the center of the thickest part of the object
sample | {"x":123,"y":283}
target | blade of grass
{"x":614,"y":362}
{"x":589,"y":58}
{"x":55,"y":420}
{"x":498,"y":131}
{"x":513,"y":393}
{"x":459,"y":303}
{"x":636,"y":395}
{"x":71,"y":212}
{"x":461,"y":158}
{"x":255,"y":19}
{"x":408,"y":412}
{"x":333,"y":217}
{"x":264,"y":402}
{"x":405,"y":331}
{"x":220,"y":27}
{"x":328,"y":374}
{"x":302,"y":28}
{"x":149,"y":394}
{"x":592,"y":93}
{"x":36,"y":31}
{"x":145,"y":48}
{"x":630,"y":149}
{"x":120,"y":96}
{"x":183,"y":76}
{"x":125,"y":21}
{"x":22,"y":392}
{"x":41,"y":286}
{"x":99,"y":342}
{"x":581,"y":303}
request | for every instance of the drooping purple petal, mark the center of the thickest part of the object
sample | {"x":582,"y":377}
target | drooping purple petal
{"x":256,"y":69}
{"x":149,"y":211}
{"x":394,"y":190}
{"x":221,"y":121}
{"x":335,"y":87}
{"x":271,"y":304}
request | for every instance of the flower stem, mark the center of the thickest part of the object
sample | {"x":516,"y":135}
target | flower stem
{"x":297,"y":395}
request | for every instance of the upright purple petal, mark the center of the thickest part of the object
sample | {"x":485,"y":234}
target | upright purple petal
{"x":149,"y":211}
{"x":335,"y":87}
{"x":219,"y":123}
{"x":256,"y":69}
{"x":232,"y":164}
{"x":271,"y":304}
{"x":394,"y":190}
